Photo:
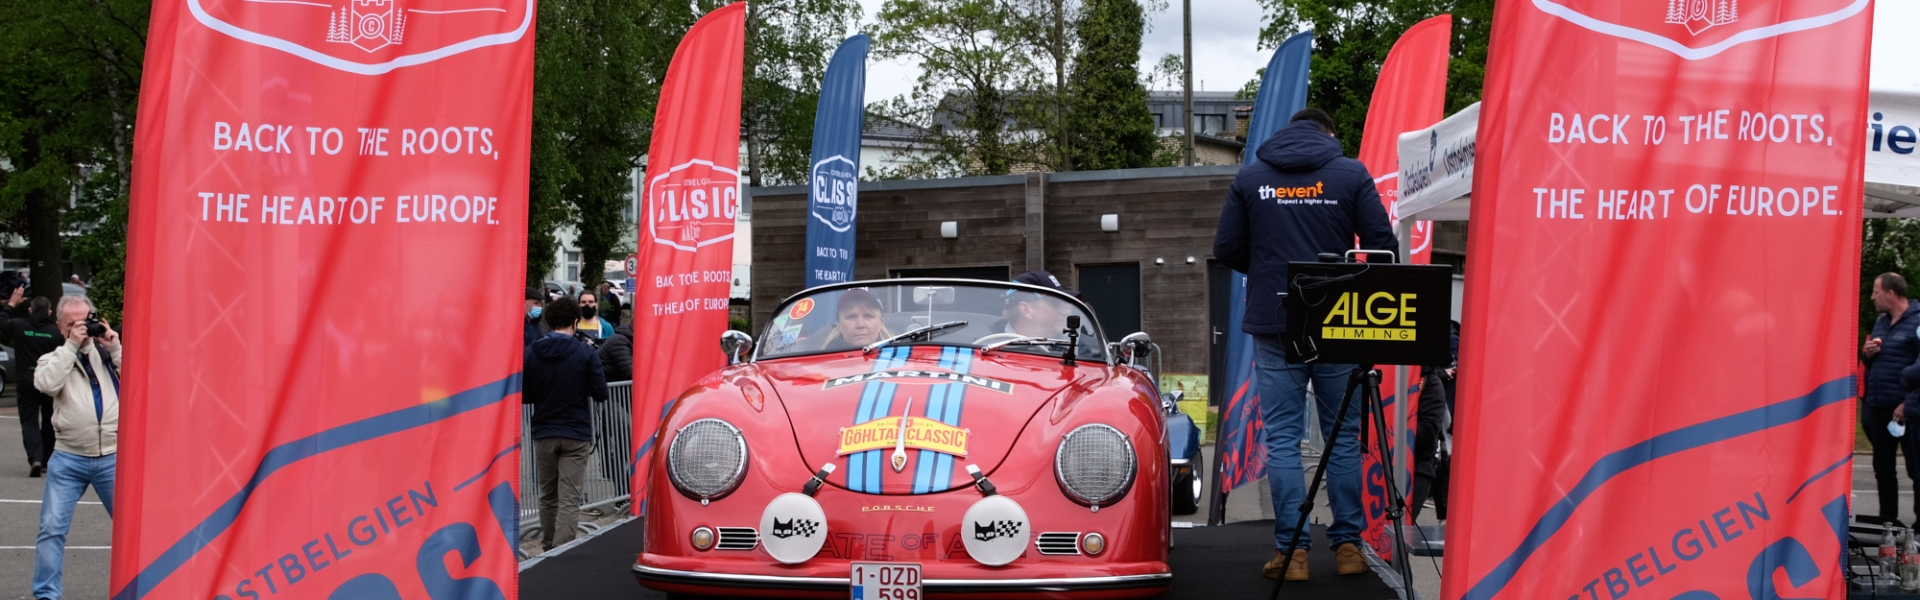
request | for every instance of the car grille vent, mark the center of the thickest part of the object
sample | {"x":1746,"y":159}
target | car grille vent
{"x":739,"y":538}
{"x":1059,"y":543}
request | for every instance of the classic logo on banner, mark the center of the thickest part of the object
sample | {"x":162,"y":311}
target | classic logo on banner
{"x":833,"y":189}
{"x":692,"y":199}
{"x":1668,"y":202}
{"x":327,"y":243}
{"x":1409,"y":95}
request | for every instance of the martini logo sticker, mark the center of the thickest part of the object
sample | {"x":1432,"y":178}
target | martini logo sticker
{"x":931,"y":377}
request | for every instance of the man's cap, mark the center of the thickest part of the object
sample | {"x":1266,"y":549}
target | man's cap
{"x":534,"y":294}
{"x":1045,"y":280}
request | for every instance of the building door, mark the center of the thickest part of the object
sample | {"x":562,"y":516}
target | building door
{"x":1114,"y":293}
{"x":1001,"y":273}
{"x":1219,"y":313}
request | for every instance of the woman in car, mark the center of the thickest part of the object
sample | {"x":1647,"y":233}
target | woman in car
{"x":856,"y":321}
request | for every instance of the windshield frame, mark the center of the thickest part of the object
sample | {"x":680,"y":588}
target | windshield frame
{"x":1086,"y":314}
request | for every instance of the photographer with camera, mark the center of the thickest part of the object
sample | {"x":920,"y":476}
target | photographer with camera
{"x":32,"y":333}
{"x":83,"y":378}
{"x":1301,"y":198}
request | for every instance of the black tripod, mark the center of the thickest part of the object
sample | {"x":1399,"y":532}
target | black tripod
{"x":1373,"y":409}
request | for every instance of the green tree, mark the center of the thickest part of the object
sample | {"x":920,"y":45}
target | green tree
{"x":977,"y":60}
{"x":1351,"y":39}
{"x":69,"y":86}
{"x":1108,"y":122}
{"x":788,"y":45}
{"x":598,"y":68}
{"x":1886,"y":246}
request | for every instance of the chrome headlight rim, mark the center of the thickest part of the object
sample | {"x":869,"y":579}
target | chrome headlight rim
{"x":733,"y":480}
{"x":1132,"y":470}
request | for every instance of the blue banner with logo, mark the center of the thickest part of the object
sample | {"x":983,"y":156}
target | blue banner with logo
{"x":833,"y":180}
{"x":1242,"y":454}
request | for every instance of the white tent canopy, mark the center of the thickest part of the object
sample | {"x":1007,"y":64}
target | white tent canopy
{"x":1436,"y":163}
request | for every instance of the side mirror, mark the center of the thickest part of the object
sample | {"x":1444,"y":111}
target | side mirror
{"x":1136,"y":347}
{"x":736,"y":346}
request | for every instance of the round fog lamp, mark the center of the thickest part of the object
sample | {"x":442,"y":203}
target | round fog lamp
{"x":1093,"y":543}
{"x":702,"y":538}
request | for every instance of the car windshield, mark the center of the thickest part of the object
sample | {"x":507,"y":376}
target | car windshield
{"x":839,"y":318}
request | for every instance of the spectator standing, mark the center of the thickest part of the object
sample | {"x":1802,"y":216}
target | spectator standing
{"x":610,"y":308}
{"x":617,"y":354}
{"x":560,"y":375}
{"x":33,"y":334}
{"x":534,"y":329}
{"x":82,"y":376}
{"x":591,"y":323}
{"x":1889,"y":349}
{"x":1330,"y":199}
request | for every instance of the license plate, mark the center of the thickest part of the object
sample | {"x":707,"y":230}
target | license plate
{"x":886,"y":581}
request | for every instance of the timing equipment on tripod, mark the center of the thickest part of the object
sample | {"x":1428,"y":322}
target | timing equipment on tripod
{"x":1366,"y":314}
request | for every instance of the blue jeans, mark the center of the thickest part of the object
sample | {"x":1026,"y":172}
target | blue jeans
{"x":1282,"y":407}
{"x":67,"y":478}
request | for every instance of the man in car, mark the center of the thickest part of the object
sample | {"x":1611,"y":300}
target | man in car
{"x":1037,"y":315}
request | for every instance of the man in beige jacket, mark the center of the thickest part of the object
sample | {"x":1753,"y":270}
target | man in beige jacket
{"x":83,"y":378}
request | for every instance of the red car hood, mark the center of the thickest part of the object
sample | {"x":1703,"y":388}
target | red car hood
{"x":960,"y":409}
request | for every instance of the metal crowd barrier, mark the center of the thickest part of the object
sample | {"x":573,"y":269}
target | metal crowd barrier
{"x":606,"y":480}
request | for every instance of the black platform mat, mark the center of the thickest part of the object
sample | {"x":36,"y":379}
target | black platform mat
{"x":1209,"y":563}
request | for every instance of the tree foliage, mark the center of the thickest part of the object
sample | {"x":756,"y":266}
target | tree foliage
{"x":598,"y":68}
{"x":1886,"y":246}
{"x":978,"y":64}
{"x":1108,"y":125}
{"x":1351,"y":39}
{"x":69,"y":86}
{"x":789,"y":43}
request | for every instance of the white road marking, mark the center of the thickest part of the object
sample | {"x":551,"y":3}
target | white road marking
{"x":12,"y":501}
{"x":68,"y":547}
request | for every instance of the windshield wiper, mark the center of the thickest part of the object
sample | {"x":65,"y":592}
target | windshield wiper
{"x":915,"y":332}
{"x":1024,"y":341}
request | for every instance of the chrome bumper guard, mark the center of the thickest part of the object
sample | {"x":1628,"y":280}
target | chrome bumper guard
{"x":1072,"y":584}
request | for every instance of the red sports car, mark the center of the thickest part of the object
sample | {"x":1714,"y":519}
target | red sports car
{"x":909,"y":439}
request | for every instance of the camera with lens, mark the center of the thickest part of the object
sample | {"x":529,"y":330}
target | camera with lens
{"x":95,"y":329}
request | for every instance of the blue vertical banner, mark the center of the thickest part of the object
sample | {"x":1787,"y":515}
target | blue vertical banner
{"x":833,"y":180}
{"x":1242,"y":455}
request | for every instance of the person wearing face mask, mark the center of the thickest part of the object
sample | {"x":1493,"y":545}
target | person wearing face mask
{"x":591,"y":324}
{"x":534,"y":329}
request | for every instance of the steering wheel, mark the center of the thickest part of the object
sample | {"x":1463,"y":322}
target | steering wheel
{"x":994,"y":338}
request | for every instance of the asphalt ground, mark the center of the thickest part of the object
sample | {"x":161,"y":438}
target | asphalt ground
{"x":90,"y":540}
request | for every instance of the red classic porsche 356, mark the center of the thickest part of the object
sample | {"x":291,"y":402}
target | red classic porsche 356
{"x":916,"y":438}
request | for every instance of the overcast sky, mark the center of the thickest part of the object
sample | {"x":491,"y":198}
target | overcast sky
{"x":1226,"y":36}
{"x":1893,"y":64}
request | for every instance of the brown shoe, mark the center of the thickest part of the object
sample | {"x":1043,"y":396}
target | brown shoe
{"x":1296,"y":570}
{"x":1349,"y":559}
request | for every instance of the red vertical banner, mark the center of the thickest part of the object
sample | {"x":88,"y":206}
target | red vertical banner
{"x":1657,"y":366}
{"x":327,"y":244}
{"x":1409,"y":95}
{"x":686,"y":243}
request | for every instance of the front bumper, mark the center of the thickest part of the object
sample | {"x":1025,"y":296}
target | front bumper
{"x":1082,"y":587}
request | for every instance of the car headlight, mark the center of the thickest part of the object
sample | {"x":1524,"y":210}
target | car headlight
{"x":1095,"y":464}
{"x":707,"y":459}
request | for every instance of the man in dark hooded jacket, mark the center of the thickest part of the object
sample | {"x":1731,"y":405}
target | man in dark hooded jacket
{"x":32,"y":332}
{"x":1303,"y":197}
{"x":561,"y":374}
